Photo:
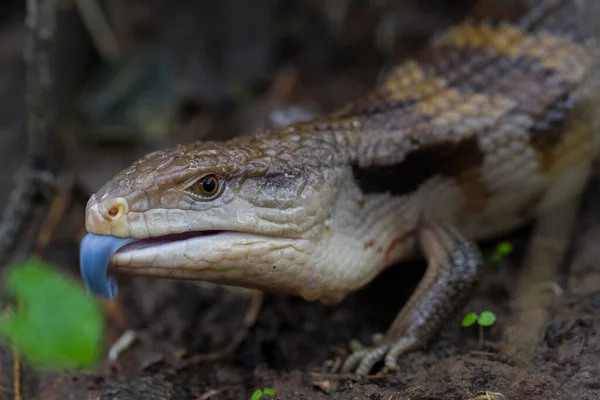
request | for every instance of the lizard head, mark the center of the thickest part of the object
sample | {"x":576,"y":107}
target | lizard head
{"x":208,"y":187}
{"x":253,"y":212}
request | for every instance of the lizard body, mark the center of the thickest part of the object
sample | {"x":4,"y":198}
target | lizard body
{"x":480,"y":132}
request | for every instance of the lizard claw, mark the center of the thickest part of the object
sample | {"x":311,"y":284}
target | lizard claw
{"x":362,"y":359}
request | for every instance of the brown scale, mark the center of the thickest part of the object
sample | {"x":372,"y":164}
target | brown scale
{"x":549,"y":130}
{"x":540,"y":92}
{"x":566,"y":23}
{"x":534,"y":87}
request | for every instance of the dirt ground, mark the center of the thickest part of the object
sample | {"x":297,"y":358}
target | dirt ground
{"x":290,"y":56}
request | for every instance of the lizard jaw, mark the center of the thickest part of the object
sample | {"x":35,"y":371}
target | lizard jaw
{"x":223,"y":257}
{"x":214,"y":256}
{"x":195,"y":252}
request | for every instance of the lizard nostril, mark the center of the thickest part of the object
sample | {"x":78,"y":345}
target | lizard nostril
{"x":116,"y":209}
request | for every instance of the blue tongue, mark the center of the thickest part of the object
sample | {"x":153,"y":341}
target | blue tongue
{"x":94,"y":253}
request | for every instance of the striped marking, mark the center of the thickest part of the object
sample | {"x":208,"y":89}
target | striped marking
{"x":554,"y":52}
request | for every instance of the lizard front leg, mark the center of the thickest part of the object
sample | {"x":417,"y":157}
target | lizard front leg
{"x":453,"y":263}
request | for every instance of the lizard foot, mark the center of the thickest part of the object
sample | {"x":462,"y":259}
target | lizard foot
{"x":453,"y":262}
{"x":362,"y":359}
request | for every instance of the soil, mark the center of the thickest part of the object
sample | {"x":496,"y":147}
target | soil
{"x":305,"y":59}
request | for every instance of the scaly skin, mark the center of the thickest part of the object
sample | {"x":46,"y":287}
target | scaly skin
{"x":480,"y":132}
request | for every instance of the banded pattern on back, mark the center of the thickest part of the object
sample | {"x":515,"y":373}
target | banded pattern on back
{"x":488,"y":81}
{"x":479,"y":50}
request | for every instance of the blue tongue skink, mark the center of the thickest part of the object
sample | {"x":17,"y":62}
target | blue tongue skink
{"x":95,"y":252}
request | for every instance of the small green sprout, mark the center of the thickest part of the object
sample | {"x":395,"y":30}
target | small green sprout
{"x":485,"y":319}
{"x":487,"y":395}
{"x":258,"y":393}
{"x":502,"y":249}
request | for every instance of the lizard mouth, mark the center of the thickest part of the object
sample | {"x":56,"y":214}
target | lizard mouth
{"x":141,"y":244}
{"x":97,"y":252}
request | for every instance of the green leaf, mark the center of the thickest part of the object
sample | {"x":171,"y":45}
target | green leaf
{"x":486,"y":318}
{"x":55,"y":324}
{"x":502,"y":250}
{"x":269,"y":391}
{"x":256,"y":395}
{"x":469,"y":319}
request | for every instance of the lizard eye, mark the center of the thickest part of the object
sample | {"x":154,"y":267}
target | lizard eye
{"x":206,"y":187}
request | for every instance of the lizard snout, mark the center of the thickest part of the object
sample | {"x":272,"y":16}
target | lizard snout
{"x":99,"y":216}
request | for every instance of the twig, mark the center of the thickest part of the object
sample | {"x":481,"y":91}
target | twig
{"x":16,"y":375}
{"x":41,"y":119}
{"x":97,"y":25}
{"x":122,"y":344}
{"x":211,"y":393}
{"x":58,"y":208}
{"x":39,"y":45}
{"x":13,"y":218}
